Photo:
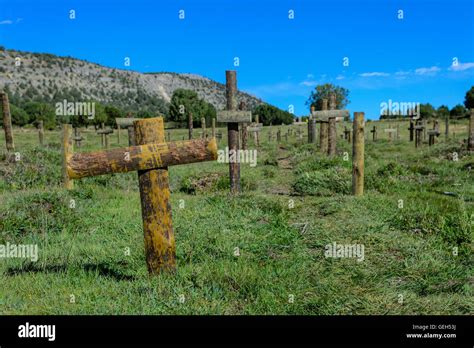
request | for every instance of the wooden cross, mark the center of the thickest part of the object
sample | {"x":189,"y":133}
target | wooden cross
{"x":374,"y":133}
{"x":77,"y":137}
{"x":105,"y":136}
{"x":151,"y":158}
{"x":411,"y":129}
{"x":470,"y":139}
{"x":418,"y":134}
{"x":41,"y":132}
{"x":233,"y":117}
{"x":279,"y":135}
{"x":432,"y":134}
{"x":347,"y":134}
{"x":390,"y":131}
{"x":255,"y":128}
{"x":126,"y":122}
{"x":328,"y":119}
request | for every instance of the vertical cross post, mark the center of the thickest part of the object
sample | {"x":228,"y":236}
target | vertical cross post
{"x":446,"y":128}
{"x":160,"y":249}
{"x":203,"y":128}
{"x":118,"y":134}
{"x":213,"y":128}
{"x":233,"y":130}
{"x":7,"y":122}
{"x":41,"y":132}
{"x":244,"y":128}
{"x":257,"y":134}
{"x":131,"y":136}
{"x":470,"y":140}
{"x":323,"y":130}
{"x":374,"y":133}
{"x":411,"y":129}
{"x":332,"y":127}
{"x":279,"y":135}
{"x":358,"y":154}
{"x":67,"y":153}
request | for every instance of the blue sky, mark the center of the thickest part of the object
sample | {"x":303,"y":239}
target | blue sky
{"x":281,"y":59}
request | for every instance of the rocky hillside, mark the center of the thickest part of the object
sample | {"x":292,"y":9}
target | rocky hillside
{"x":49,"y":77}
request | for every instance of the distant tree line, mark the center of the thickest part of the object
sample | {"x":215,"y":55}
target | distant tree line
{"x":427,"y":110}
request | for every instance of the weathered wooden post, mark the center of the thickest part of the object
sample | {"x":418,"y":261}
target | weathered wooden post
{"x":328,"y":134}
{"x":323,"y":130}
{"x":213,"y":128}
{"x":418,"y":134}
{"x":7,"y":122}
{"x":151,"y":158}
{"x":347,"y":134}
{"x":411,"y":129}
{"x":190,"y":125}
{"x":423,"y":123}
{"x":358,"y":154}
{"x":169,"y":136}
{"x":257,"y":134}
{"x":105,"y":136}
{"x":77,"y":137}
{"x":390,"y":131}
{"x":311,"y":127}
{"x":41,"y":132}
{"x":332,"y":137}
{"x":446,"y":127}
{"x":67,"y":153}
{"x":470,"y":140}
{"x":203,"y":128}
{"x":374,"y":133}
{"x":233,"y":117}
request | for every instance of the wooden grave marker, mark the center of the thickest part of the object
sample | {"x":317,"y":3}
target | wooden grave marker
{"x":233,"y":117}
{"x":7,"y":122}
{"x":470,"y":139}
{"x":151,"y":158}
{"x":328,"y":119}
{"x":41,"y":133}
{"x":358,"y":144}
{"x":374,"y":133}
{"x":390,"y":131}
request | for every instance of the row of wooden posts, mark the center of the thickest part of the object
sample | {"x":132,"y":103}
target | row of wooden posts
{"x":150,"y":155}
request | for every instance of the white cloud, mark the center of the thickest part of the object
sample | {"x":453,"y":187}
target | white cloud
{"x":402,"y":73}
{"x":373,"y":74}
{"x":6,"y":21}
{"x":461,"y":66}
{"x":427,"y":71}
{"x":310,"y":76}
{"x":340,"y":77}
{"x":309,"y":83}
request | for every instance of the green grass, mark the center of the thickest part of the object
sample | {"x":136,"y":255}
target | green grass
{"x":294,"y":203}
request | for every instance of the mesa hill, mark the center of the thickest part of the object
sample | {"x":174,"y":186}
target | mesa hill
{"x":49,"y":77}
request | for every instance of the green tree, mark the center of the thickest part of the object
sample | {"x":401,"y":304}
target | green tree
{"x":19,"y":116}
{"x":185,"y":101}
{"x":459,"y":111}
{"x":469,"y":99}
{"x":41,"y":112}
{"x":324,"y":91}
{"x":427,"y":111}
{"x":269,"y":114}
{"x":443,"y":111}
{"x":113,"y":113}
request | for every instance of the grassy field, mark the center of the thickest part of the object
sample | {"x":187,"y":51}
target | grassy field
{"x":414,"y":221}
